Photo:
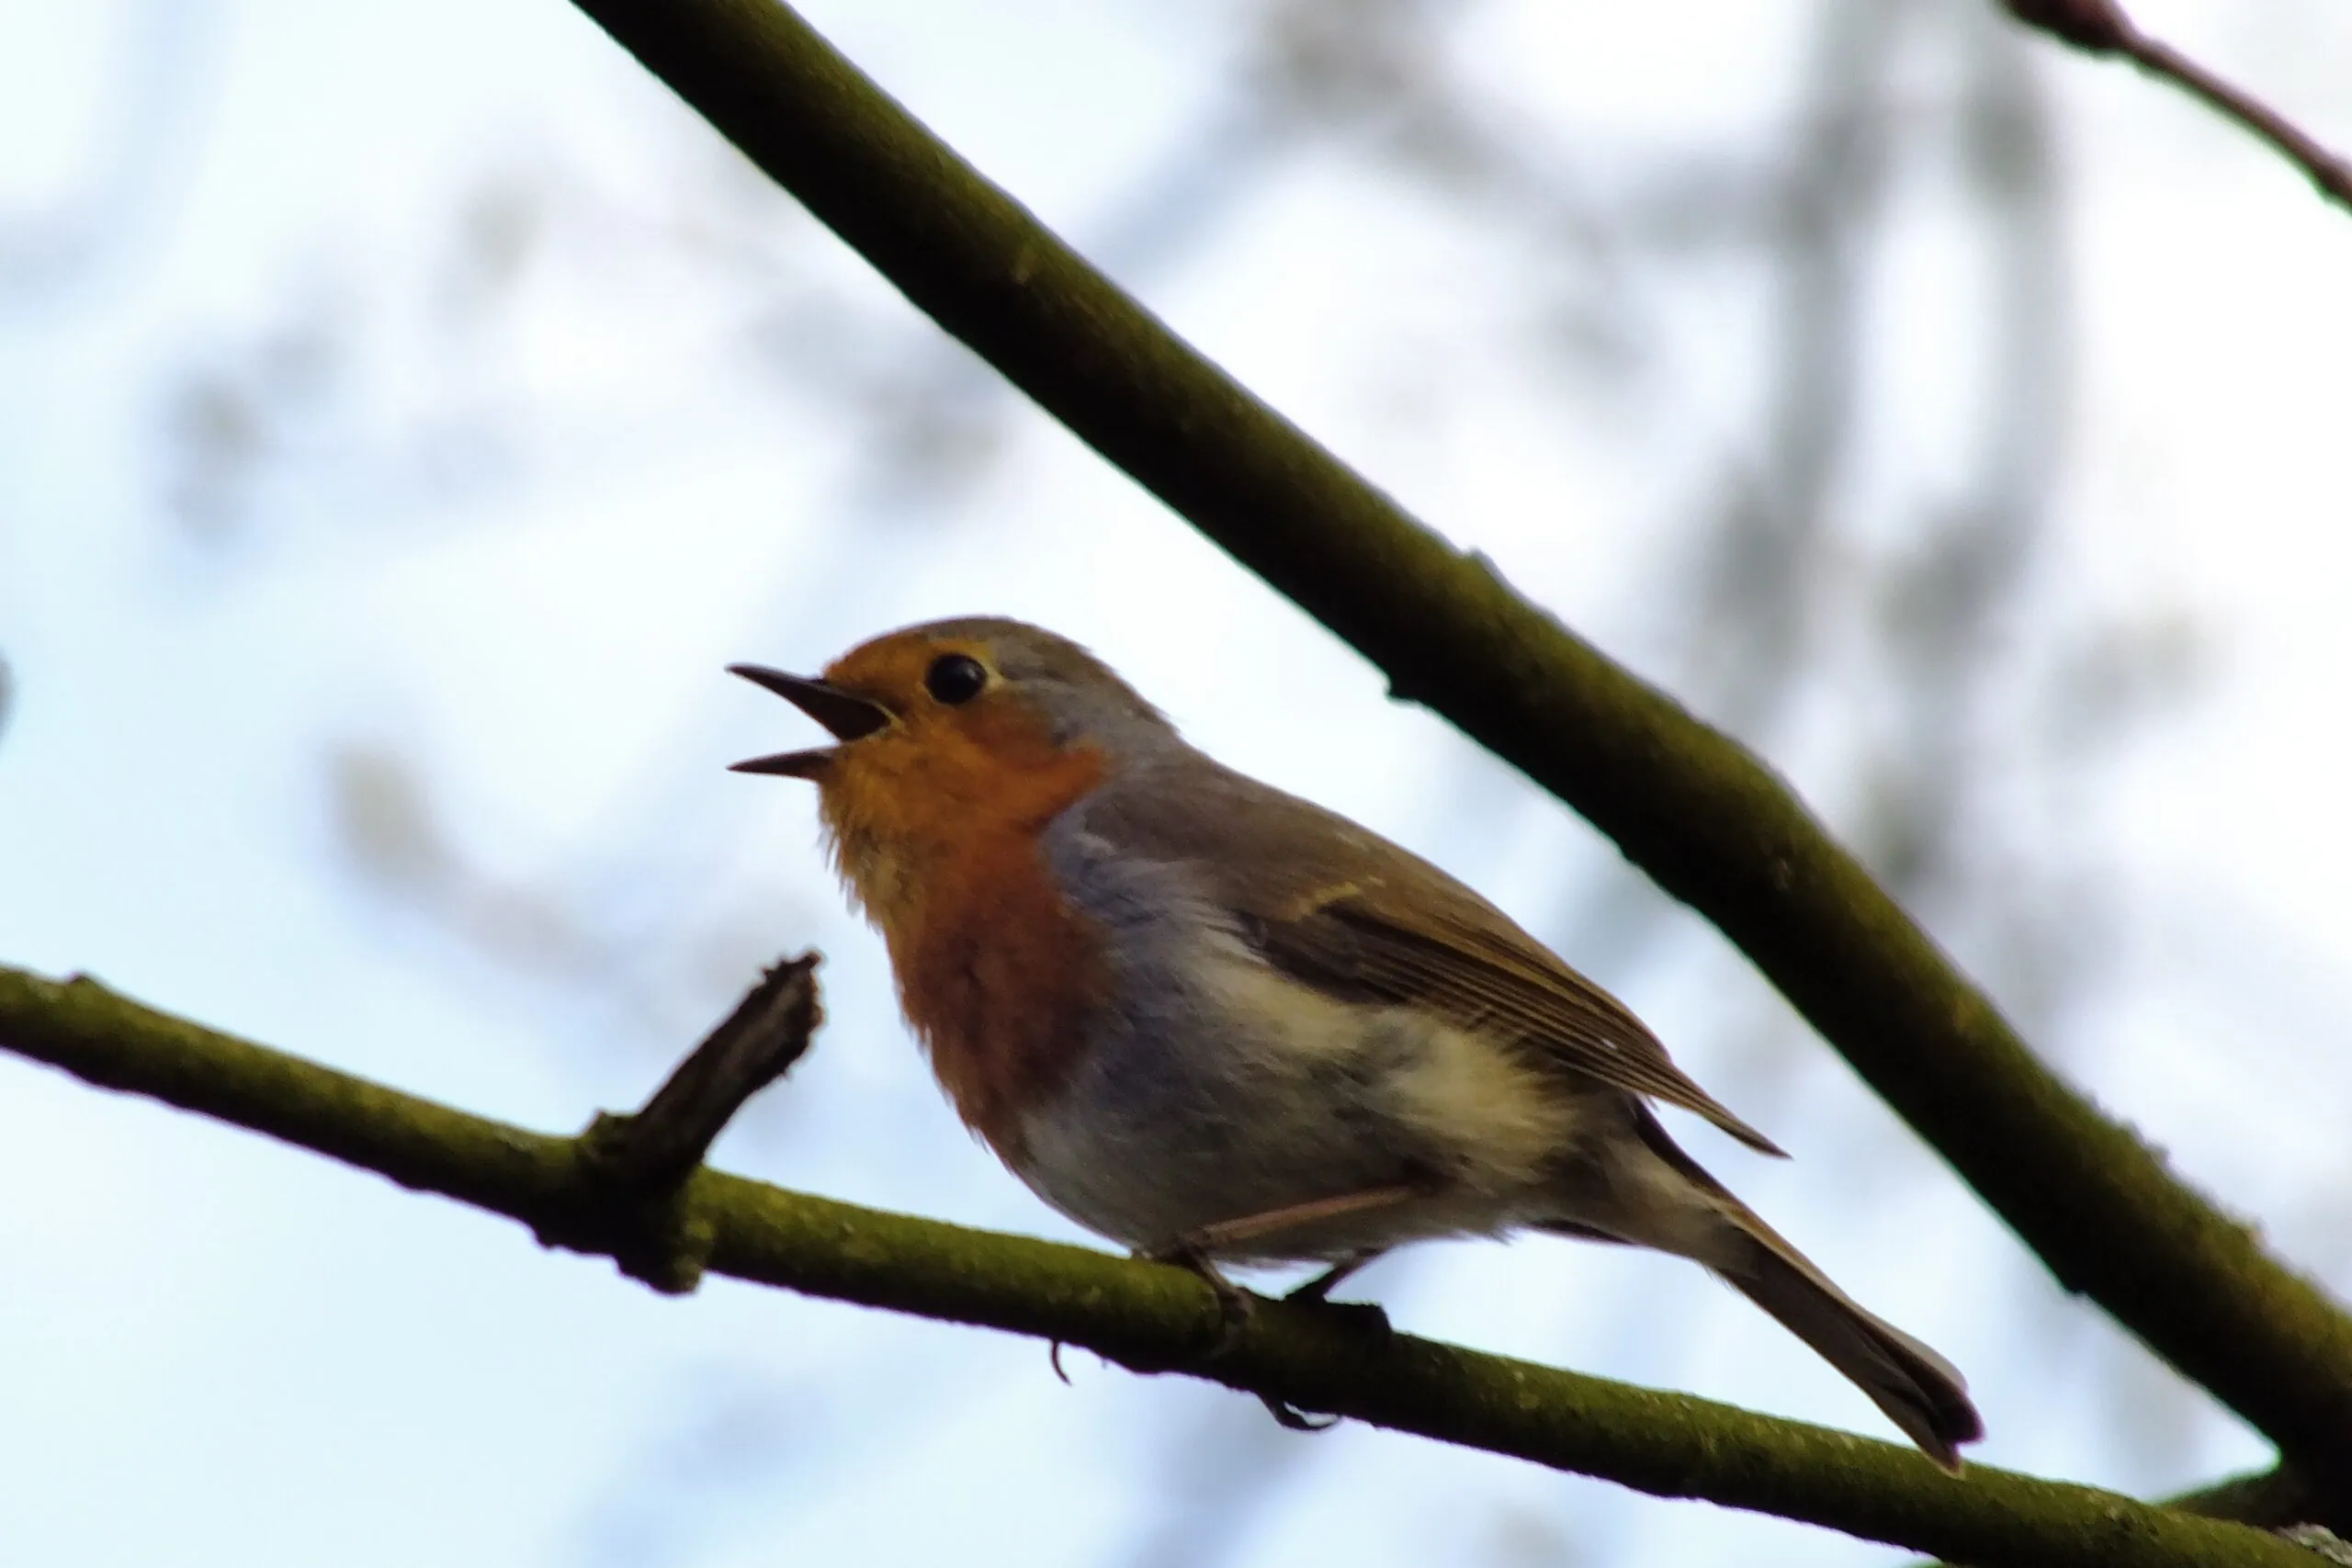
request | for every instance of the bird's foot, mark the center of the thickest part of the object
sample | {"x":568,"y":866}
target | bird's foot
{"x":1291,"y":1419}
{"x":1366,"y":1317}
{"x":1235,"y":1306}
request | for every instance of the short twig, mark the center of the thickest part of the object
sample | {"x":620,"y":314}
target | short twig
{"x":2101,"y":27}
{"x":633,"y":1168}
{"x":649,"y":1153}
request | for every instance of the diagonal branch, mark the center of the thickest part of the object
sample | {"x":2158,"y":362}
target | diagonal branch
{"x":1147,"y":1317}
{"x":2101,"y":27}
{"x":2273,"y":1498}
{"x":1710,"y":823}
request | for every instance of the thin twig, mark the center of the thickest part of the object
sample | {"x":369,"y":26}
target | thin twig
{"x":633,"y":1168}
{"x":1149,"y":1318}
{"x":648,"y":1154}
{"x":2102,"y":27}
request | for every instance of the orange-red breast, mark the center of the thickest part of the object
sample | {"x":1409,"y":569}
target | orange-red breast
{"x":1214,"y":1022}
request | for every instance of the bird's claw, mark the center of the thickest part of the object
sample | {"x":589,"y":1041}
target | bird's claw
{"x":1291,"y":1419}
{"x":1362,"y":1318}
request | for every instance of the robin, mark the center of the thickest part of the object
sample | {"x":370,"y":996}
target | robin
{"x":1220,"y":1024}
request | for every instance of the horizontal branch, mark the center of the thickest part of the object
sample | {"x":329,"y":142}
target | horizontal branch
{"x":1712,"y":824}
{"x":1147,"y":1317}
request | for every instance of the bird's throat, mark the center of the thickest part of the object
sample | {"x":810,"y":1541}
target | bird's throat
{"x":999,"y":972}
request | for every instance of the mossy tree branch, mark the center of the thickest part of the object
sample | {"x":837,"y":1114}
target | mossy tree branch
{"x":1701,"y":815}
{"x":1144,"y":1316}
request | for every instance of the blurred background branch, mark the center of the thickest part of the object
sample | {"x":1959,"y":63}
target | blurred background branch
{"x":2101,"y":27}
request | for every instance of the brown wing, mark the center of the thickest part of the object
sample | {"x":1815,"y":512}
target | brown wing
{"x":1345,"y":910}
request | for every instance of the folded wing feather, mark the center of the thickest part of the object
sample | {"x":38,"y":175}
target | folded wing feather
{"x":1341,"y":909}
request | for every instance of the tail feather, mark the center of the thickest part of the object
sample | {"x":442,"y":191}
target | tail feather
{"x":1920,"y":1392}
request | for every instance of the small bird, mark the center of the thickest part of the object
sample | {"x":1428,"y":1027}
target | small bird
{"x":1220,"y":1024}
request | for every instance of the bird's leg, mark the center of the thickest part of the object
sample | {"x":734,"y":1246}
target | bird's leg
{"x":1319,"y":1288}
{"x":1250,"y":1230}
{"x":1198,"y":1249}
{"x":1366,"y":1317}
{"x":1256,"y":1233}
{"x":1234,"y":1305}
{"x":1195,"y":1254}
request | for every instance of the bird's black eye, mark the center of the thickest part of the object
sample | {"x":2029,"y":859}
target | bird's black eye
{"x":955,"y":678}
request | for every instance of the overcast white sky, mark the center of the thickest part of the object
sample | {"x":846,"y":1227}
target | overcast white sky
{"x":568,"y":412}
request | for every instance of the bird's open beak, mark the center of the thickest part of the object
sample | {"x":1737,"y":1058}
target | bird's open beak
{"x":849,"y":717}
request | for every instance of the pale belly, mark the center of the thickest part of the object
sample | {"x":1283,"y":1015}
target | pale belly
{"x":1254,"y":1094}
